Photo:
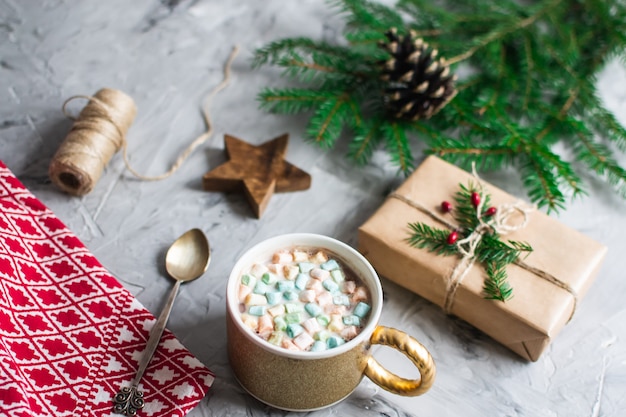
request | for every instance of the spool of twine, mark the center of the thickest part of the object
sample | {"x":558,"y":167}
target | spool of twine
{"x":99,"y":132}
{"x":96,"y":135}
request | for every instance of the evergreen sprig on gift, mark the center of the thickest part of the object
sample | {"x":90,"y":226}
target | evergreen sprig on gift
{"x":490,"y":250}
{"x":526,"y":96}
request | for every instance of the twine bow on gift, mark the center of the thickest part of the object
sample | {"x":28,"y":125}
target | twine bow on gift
{"x":499,"y":223}
{"x":495,"y":222}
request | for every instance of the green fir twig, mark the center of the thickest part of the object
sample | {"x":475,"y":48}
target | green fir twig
{"x":526,"y":90}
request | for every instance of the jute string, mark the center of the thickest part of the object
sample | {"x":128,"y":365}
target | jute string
{"x":99,"y":132}
{"x":501,"y":224}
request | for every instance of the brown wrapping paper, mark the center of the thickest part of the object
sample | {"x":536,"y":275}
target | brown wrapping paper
{"x":539,"y":308}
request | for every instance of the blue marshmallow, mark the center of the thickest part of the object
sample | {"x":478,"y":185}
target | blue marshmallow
{"x":294,"y":330}
{"x":361,"y":309}
{"x":330,"y":265}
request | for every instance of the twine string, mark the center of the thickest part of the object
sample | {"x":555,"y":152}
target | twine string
{"x":200,"y":139}
{"x":500,"y":223}
{"x":100,"y":131}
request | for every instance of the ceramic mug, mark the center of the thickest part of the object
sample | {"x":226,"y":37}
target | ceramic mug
{"x":303,"y":380}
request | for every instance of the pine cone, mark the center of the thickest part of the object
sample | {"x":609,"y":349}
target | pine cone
{"x":418,"y":85}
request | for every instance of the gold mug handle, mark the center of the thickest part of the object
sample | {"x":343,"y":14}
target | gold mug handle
{"x":414,"y":350}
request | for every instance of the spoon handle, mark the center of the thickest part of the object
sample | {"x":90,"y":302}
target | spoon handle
{"x":129,"y":400}
{"x":156,"y":333}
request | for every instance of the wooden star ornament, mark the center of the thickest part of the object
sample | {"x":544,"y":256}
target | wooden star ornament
{"x":258,"y":171}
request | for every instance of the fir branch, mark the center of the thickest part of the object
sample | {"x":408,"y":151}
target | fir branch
{"x":598,"y":158}
{"x":492,"y":249}
{"x":542,"y":183}
{"x":327,"y":121}
{"x":501,"y":32}
{"x":367,"y":137}
{"x":423,"y":236}
{"x":397,"y":145}
{"x":366,"y":14}
{"x":273,"y":52}
{"x":496,"y":286}
{"x":530,"y":88}
{"x":291,"y":100}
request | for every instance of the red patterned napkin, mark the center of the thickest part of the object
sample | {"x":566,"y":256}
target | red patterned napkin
{"x":70,"y":334}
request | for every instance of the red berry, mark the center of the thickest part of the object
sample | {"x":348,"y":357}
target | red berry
{"x":490,"y":211}
{"x":453,"y":237}
{"x":475,"y":199}
{"x":446,"y":206}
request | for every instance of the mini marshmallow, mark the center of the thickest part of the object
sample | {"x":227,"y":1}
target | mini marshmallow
{"x":282,"y":257}
{"x":341,"y":299}
{"x":322,"y":335}
{"x":301,"y":281}
{"x":311,"y":325}
{"x":313,"y":309}
{"x":276,"y":338}
{"x":320,"y":257}
{"x":348,"y":287}
{"x":285,"y":285}
{"x":318,"y":346}
{"x":316,"y":286}
{"x":323,"y":319}
{"x":288,"y":344}
{"x":292,"y":318}
{"x":303,"y":340}
{"x":324,"y":299}
{"x":250,"y":321}
{"x":290,"y":295}
{"x":330,"y":265}
{"x":265,"y":324}
{"x":277,"y":310}
{"x":349,"y":332}
{"x":319,"y":273}
{"x":307,"y":296}
{"x":335,"y":309}
{"x":290,"y":271}
{"x":260,"y":288}
{"x":249,"y":280}
{"x":294,"y":308}
{"x":306,"y":266}
{"x":269,"y":278}
{"x":334,"y":341}
{"x":352,"y":320}
{"x":336,"y":323}
{"x":330,"y":285}
{"x":257,"y":310}
{"x":255,"y":300}
{"x":337,"y":275}
{"x":361,"y":309}
{"x":360,"y":294}
{"x":280,"y":323}
{"x":273,"y":297}
{"x":299,"y":256}
{"x":244,"y":291}
{"x":294,"y":329}
{"x":258,"y":270}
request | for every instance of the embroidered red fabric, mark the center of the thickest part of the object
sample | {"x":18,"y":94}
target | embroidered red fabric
{"x":70,"y":334}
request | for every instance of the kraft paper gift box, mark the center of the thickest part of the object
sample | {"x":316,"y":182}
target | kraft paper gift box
{"x":546,"y":289}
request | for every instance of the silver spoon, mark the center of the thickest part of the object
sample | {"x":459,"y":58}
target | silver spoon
{"x":187,"y":259}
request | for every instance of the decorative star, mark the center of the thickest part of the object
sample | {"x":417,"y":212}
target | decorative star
{"x":257,"y":170}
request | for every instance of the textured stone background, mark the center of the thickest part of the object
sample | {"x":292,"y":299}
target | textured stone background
{"x":168,"y":55}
